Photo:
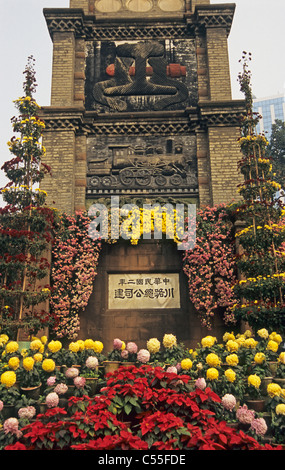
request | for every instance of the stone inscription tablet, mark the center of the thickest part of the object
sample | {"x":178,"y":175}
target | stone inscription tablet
{"x":143,"y":291}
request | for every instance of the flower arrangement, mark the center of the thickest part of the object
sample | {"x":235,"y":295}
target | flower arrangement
{"x":260,"y":290}
{"x":210,"y":266}
{"x":74,"y":260}
{"x":25,"y":223}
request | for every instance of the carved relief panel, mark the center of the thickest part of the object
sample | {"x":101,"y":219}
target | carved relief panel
{"x":141,"y":75}
{"x":138,"y":164}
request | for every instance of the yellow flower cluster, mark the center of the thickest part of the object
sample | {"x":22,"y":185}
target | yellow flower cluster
{"x":230,"y":375}
{"x":212,"y":373}
{"x":186,"y":364}
{"x":254,"y":380}
{"x":169,"y":341}
{"x":213,"y":360}
{"x":54,"y":346}
{"x":8,"y":378}
{"x":208,"y":341}
{"x":28,"y":363}
{"x":280,"y":409}
{"x":153,"y":345}
{"x":232,"y":360}
{"x":274,"y":390}
{"x":259,"y":358}
{"x":48,"y":365}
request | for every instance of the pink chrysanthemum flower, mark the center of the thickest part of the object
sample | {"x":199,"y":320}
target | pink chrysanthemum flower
{"x":143,"y":355}
{"x":52,"y":400}
{"x":229,"y":401}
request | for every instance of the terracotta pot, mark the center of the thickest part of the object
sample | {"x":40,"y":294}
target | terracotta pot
{"x":111,"y":366}
{"x":264,"y":382}
{"x":257,"y":405}
{"x":32,"y":392}
{"x":273,"y":367}
{"x":280,"y":382}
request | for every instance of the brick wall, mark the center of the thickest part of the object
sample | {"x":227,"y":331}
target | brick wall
{"x":224,"y":156}
{"x":218,"y":64}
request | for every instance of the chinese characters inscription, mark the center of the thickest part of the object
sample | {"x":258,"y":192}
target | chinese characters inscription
{"x":148,"y":291}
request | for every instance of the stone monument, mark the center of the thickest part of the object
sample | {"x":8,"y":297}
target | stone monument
{"x":141,"y":108}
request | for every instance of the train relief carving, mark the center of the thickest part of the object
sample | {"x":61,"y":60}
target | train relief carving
{"x":158,"y":167}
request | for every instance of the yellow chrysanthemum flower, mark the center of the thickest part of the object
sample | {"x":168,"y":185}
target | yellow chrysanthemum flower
{"x":227,"y":336}
{"x":275,"y":337}
{"x":230,"y":375}
{"x":14,"y":362}
{"x":54,"y":346}
{"x":232,"y":345}
{"x":212,"y":373}
{"x":274,"y":390}
{"x":37,"y":345}
{"x":28,"y":363}
{"x":263,"y":333}
{"x":208,"y":341}
{"x":8,"y":378}
{"x":213,"y":360}
{"x":123,"y":346}
{"x":250,"y":343}
{"x":89,"y":344}
{"x":280,"y":409}
{"x":38,"y":357}
{"x":169,"y":341}
{"x":259,"y":358}
{"x":4,"y":338}
{"x":11,"y":347}
{"x":153,"y":345}
{"x":44,"y":339}
{"x":232,"y":360}
{"x":98,"y":346}
{"x":186,"y":364}
{"x":74,"y":346}
{"x":272,"y":346}
{"x":254,"y":380}
{"x":48,"y":365}
{"x":281,"y":357}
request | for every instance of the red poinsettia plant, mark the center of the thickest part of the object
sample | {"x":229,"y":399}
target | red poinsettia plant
{"x":159,"y":410}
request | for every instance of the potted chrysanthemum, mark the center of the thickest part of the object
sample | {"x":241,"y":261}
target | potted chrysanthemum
{"x":90,"y":371}
{"x":9,"y":393}
{"x":114,"y":357}
{"x":29,"y":377}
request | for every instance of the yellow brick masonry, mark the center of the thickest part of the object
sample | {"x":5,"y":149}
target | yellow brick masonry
{"x":224,"y":156}
{"x":60,"y":156}
{"x":62,"y":88}
{"x":218,"y":64}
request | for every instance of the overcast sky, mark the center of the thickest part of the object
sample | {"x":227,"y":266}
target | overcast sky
{"x":258,"y":27}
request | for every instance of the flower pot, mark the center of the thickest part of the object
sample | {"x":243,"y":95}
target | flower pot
{"x":92,"y":382}
{"x":263,"y":385}
{"x":273,"y":367}
{"x":257,"y":405}
{"x":111,"y":366}
{"x":127,"y":364}
{"x":8,"y":411}
{"x":32,"y":392}
{"x":280,"y":382}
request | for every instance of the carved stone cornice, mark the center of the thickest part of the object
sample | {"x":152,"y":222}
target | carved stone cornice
{"x":92,"y":28}
{"x":221,"y":113}
{"x":208,"y":114}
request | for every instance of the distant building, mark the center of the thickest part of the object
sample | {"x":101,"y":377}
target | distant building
{"x":270,"y":108}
